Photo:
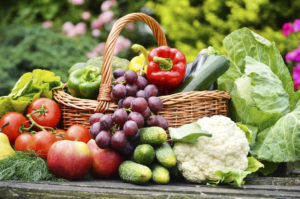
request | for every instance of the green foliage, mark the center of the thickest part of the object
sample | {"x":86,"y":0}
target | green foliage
{"x":194,"y":25}
{"x":23,"y":49}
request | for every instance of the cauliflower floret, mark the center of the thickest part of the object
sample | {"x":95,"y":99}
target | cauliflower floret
{"x":227,"y":149}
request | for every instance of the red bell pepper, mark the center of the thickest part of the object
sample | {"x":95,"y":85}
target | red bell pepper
{"x":166,"y":68}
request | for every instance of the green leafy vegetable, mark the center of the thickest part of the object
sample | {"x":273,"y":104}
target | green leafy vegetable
{"x":188,"y":133}
{"x":269,"y":168}
{"x":25,"y":167}
{"x":32,"y":85}
{"x":233,"y":177}
{"x":254,"y":165}
{"x":248,"y":132}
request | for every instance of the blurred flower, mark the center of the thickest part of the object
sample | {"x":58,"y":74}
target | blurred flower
{"x":121,"y":44}
{"x":67,"y":26}
{"x":96,"y":33}
{"x":296,"y":76}
{"x":130,"y":26}
{"x":293,"y":56}
{"x":80,"y":28}
{"x":106,"y":16}
{"x":86,"y":15}
{"x":106,"y":5}
{"x":47,"y":24}
{"x":72,"y":30}
{"x":77,"y":2}
{"x":100,"y":48}
{"x":287,"y":29}
{"x":97,"y":24}
{"x":92,"y":54}
{"x":297,"y":25}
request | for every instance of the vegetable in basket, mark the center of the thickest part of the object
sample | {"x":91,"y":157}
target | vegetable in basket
{"x":166,"y":68}
{"x":5,"y":148}
{"x":139,"y":63}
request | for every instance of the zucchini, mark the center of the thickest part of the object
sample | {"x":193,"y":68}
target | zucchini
{"x":197,"y":63}
{"x":206,"y":75}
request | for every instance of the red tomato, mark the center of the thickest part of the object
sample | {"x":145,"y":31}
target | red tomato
{"x":52,"y":115}
{"x":78,"y":133}
{"x":42,"y":141}
{"x":15,"y":120}
{"x":60,"y":134}
{"x":24,"y":142}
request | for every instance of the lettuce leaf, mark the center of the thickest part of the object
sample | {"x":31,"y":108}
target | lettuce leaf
{"x":32,"y":85}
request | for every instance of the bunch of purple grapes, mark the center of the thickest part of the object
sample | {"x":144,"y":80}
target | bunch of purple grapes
{"x":137,"y":105}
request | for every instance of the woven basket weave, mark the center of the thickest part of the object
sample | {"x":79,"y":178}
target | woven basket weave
{"x":179,"y":108}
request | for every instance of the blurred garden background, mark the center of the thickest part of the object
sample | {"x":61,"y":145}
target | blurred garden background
{"x":55,"y":34}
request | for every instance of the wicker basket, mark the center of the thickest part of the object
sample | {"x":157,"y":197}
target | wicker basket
{"x":179,"y":108}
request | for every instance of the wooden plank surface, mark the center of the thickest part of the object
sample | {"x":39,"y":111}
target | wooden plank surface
{"x":255,"y":188}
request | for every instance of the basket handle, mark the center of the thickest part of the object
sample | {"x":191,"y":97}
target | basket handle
{"x":105,"y":86}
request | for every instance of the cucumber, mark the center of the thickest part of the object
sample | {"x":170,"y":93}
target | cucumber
{"x":165,"y":155}
{"x":203,"y":78}
{"x":160,"y":175}
{"x":144,"y":154}
{"x":153,"y":135}
{"x":132,"y":172}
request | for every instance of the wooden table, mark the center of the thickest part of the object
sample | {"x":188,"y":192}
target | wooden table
{"x":268,"y":187}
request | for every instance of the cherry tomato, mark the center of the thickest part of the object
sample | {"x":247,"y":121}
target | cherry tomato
{"x":24,"y":142}
{"x":15,"y":120}
{"x":52,"y":115}
{"x":42,"y":142}
{"x":78,"y":133}
{"x":60,"y":134}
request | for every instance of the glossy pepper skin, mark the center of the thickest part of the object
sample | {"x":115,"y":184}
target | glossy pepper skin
{"x":85,"y":82}
{"x":166,"y":68}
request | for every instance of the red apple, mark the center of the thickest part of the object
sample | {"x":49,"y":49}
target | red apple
{"x":69,"y":159}
{"x":106,"y":162}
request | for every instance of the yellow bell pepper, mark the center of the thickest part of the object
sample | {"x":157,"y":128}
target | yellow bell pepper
{"x":139,"y":63}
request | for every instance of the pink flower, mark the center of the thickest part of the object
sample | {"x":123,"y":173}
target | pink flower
{"x":77,"y":2}
{"x":72,"y":30}
{"x":92,"y":54}
{"x":86,"y":15}
{"x":96,"y":33}
{"x":130,"y":27}
{"x":106,"y":5}
{"x":293,"y":56}
{"x":287,"y":29}
{"x":97,"y":24}
{"x":106,"y":16}
{"x":47,"y":24}
{"x":100,"y":48}
{"x":80,"y":28}
{"x":297,"y":25}
{"x":121,"y":44}
{"x":296,"y":76}
{"x":67,"y":26}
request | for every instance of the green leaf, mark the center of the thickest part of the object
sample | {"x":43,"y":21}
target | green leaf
{"x":188,"y":133}
{"x":246,"y":130}
{"x":232,"y":177}
{"x":281,"y":142}
{"x":254,"y":165}
{"x":269,"y":168}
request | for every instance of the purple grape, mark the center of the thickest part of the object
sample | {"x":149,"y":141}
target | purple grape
{"x":151,"y":90}
{"x":106,"y":122}
{"x":113,"y":98}
{"x":126,"y":150}
{"x":131,"y":89}
{"x":155,"y":104}
{"x":127,"y":102}
{"x":118,"y":73}
{"x":120,"y":116}
{"x":119,"y":91}
{"x":95,"y":118}
{"x":139,"y":104}
{"x":130,"y":128}
{"x":95,"y":129}
{"x":120,"y":103}
{"x":152,"y":120}
{"x":141,"y":93}
{"x":103,"y":139}
{"x":162,"y":122}
{"x":120,"y":80}
{"x":118,"y":140}
{"x":130,"y":77}
{"x":146,"y":113}
{"x":141,"y":82}
{"x":137,"y":118}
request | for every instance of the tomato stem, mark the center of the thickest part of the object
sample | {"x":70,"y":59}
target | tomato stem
{"x":4,"y":125}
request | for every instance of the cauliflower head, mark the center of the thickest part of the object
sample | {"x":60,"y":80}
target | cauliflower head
{"x":227,"y":149}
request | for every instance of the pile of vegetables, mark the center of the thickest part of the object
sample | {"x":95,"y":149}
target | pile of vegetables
{"x":262,"y":130}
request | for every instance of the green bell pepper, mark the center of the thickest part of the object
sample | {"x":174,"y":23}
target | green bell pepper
{"x":85,"y":82}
